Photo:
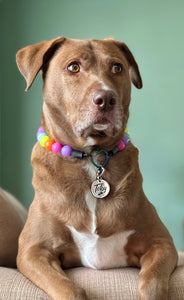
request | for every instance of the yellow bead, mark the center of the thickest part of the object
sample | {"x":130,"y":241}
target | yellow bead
{"x":43,"y":140}
{"x":127,"y":131}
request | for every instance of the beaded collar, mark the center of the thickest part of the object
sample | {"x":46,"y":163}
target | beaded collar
{"x":65,"y":150}
{"x":100,"y":188}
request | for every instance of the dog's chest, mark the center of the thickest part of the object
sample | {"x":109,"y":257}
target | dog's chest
{"x":101,"y":253}
{"x":98,"y":252}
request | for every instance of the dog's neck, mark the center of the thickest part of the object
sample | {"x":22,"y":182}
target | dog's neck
{"x":67,"y":151}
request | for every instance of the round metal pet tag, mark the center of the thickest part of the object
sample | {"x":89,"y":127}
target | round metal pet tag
{"x":100,"y":188}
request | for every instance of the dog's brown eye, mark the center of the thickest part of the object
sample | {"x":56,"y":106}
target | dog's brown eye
{"x":73,"y":67}
{"x":116,"y":68}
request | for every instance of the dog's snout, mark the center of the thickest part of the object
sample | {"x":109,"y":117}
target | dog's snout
{"x":104,"y":100}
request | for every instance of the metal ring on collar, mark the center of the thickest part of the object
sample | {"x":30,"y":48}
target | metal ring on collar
{"x":98,"y":152}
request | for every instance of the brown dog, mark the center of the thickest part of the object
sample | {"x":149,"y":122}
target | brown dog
{"x":83,"y":213}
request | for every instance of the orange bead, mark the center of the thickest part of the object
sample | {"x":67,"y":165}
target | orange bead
{"x":48,"y":144}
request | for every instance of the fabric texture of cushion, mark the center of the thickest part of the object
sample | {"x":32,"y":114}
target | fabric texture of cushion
{"x":114,"y":284}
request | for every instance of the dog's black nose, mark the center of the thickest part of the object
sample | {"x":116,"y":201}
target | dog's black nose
{"x":104,"y":99}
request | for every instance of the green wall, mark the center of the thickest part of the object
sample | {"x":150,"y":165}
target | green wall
{"x":154,"y":32}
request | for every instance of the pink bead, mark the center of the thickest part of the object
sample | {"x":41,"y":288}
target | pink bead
{"x":41,"y":129}
{"x":121,"y":146}
{"x":56,"y":147}
{"x":66,"y":150}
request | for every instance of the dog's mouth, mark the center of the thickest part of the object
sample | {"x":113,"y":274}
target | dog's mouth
{"x":100,"y":127}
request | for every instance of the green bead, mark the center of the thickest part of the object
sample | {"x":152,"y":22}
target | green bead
{"x":43,"y":140}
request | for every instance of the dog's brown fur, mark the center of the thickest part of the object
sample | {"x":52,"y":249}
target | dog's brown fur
{"x":60,"y":184}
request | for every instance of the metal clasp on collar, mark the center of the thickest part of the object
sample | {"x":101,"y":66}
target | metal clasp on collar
{"x":98,"y":152}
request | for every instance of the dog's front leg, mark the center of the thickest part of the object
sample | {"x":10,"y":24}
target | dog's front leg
{"x":157,"y":265}
{"x":43,"y":268}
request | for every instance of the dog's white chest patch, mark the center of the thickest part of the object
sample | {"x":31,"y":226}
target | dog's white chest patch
{"x":96,"y":252}
{"x":101,"y":253}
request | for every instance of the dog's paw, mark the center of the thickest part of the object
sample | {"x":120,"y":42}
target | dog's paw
{"x":153,"y":290}
{"x":79,"y":294}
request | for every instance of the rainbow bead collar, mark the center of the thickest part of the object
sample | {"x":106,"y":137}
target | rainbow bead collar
{"x":65,"y":150}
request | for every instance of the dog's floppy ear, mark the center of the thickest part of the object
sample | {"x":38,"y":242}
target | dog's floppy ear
{"x":133,"y":67}
{"x":31,"y":59}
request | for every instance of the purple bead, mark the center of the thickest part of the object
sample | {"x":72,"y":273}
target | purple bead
{"x":66,"y":150}
{"x":56,"y":147}
{"x":125,"y":139}
{"x":39,"y":132}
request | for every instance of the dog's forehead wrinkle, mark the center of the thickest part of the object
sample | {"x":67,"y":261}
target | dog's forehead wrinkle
{"x":108,"y":49}
{"x":80,"y":49}
{"x":93,"y":51}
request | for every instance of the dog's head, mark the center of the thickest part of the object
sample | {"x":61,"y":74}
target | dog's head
{"x":87,"y":88}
